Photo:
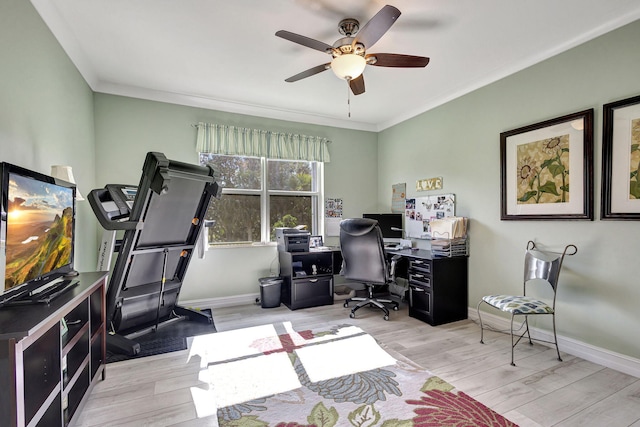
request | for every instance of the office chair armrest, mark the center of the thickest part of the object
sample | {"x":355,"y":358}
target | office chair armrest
{"x":392,"y":267}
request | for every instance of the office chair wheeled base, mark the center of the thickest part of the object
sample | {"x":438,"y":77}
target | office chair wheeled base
{"x":371,"y":302}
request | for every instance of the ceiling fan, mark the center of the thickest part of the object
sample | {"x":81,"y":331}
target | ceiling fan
{"x":349,"y":53}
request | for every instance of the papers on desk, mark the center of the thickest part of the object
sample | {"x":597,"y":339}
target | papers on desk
{"x":449,"y":247}
{"x":453,"y":227}
{"x":449,"y":237}
{"x":393,"y":247}
{"x":321,"y":249}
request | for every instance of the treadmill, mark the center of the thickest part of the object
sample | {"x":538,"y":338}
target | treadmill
{"x":160,"y":221}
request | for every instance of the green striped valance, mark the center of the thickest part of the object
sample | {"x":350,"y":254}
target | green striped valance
{"x":239,"y":141}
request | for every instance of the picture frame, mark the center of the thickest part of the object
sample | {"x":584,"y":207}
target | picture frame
{"x":621,"y":160}
{"x":546,"y":169}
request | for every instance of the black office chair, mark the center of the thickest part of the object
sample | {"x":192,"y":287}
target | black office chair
{"x":364,"y":260}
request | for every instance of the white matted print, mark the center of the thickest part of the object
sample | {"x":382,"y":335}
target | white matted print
{"x":547,"y":169}
{"x":621,"y":160}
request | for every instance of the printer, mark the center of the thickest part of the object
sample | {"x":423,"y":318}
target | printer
{"x":292,"y":239}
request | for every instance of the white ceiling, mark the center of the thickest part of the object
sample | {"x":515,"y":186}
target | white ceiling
{"x":224,"y":55}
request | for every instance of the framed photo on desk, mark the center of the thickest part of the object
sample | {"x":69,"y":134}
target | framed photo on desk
{"x":315,"y":242}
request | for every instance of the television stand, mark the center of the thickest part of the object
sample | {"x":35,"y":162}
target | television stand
{"x":52,"y":355}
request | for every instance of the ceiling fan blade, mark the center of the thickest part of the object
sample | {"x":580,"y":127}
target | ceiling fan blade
{"x":377,"y":26}
{"x":308,"y":73}
{"x":357,"y":85}
{"x":305,"y":41}
{"x":397,"y":60}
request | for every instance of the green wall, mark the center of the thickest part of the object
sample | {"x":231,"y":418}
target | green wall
{"x":599,"y":290}
{"x":46,"y":111}
{"x":127,"y":128}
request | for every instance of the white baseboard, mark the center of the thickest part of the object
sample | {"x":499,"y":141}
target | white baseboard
{"x":222,"y":301}
{"x":601,"y":356}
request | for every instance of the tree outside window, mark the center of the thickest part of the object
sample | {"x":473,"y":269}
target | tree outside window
{"x":259,"y":195}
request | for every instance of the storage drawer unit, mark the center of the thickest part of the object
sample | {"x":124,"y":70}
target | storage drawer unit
{"x":420,"y":296}
{"x":307,"y":279}
{"x":438,"y":289}
{"x":310,"y":292}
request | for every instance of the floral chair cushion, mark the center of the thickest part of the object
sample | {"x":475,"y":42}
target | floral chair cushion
{"x":518,"y":304}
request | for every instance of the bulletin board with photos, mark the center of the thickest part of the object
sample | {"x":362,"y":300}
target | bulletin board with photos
{"x":420,"y":211}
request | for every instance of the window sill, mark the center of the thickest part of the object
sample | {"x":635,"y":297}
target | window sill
{"x":242,"y":245}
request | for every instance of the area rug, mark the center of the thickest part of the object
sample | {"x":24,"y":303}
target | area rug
{"x":272,"y":375}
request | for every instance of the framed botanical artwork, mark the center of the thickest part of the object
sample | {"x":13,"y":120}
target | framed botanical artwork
{"x":546,"y":170}
{"x":621,"y":160}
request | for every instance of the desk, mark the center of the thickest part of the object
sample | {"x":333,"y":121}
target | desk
{"x":438,"y":286}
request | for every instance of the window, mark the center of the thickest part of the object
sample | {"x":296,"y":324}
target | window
{"x":260,"y":194}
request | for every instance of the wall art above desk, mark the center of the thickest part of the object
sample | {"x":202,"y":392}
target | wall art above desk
{"x":546,"y":170}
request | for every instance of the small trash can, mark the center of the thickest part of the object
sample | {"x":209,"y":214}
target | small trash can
{"x":270,"y":288}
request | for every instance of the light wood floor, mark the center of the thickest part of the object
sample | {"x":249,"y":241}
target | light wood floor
{"x":539,"y":391}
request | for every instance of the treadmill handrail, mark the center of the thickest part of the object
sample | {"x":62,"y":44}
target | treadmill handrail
{"x":103,"y":217}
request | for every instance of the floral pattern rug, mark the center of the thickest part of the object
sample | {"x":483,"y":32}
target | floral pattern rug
{"x":340,"y":377}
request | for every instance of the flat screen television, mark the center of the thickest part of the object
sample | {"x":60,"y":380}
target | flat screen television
{"x":37,"y":230}
{"x":390,"y":224}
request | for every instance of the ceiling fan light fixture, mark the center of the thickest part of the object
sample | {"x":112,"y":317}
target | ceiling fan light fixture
{"x":349,"y":66}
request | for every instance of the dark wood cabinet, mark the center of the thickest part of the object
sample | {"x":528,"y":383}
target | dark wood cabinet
{"x":438,"y":289}
{"x":307,"y":278}
{"x":52,"y":354}
{"x":437,"y":286}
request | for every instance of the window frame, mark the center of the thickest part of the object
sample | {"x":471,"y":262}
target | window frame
{"x":316,"y":194}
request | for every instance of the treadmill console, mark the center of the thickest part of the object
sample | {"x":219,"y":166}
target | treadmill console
{"x":113,"y":203}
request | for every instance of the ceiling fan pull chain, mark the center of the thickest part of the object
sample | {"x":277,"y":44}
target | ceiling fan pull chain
{"x":348,"y":99}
